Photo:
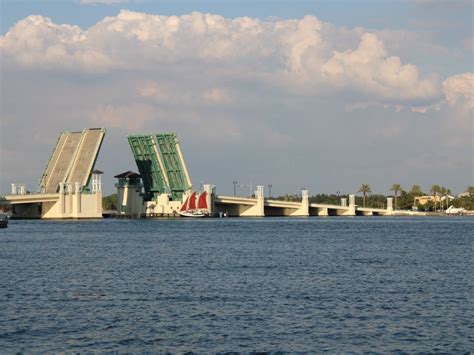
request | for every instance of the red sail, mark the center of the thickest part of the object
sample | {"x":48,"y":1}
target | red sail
{"x":184,"y":207}
{"x":202,"y":202}
{"x":192,"y":201}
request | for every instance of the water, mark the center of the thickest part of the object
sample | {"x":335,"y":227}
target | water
{"x":335,"y":284}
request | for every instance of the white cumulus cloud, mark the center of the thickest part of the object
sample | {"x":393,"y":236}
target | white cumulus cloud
{"x":285,"y":54}
{"x":459,"y":89}
{"x":38,"y":42}
{"x":371,"y":69}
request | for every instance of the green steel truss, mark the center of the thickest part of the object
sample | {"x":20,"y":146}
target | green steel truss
{"x":160,"y":163}
{"x":147,"y":162}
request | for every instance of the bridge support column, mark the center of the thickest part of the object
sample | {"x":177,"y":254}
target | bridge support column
{"x":62,"y":199}
{"x":304,"y":209}
{"x":260,"y":195}
{"x":76,"y":210}
{"x":97,"y":188}
{"x":344,"y":202}
{"x":98,"y":196}
{"x":352,"y":206}
{"x":69,"y":194}
{"x":210,"y":191}
{"x":323,"y":211}
{"x":390,"y":206}
{"x":258,"y":210}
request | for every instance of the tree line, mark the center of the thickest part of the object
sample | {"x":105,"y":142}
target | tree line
{"x":441,"y":197}
{"x":403,"y":199}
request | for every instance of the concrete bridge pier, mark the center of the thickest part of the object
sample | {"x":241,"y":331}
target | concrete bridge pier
{"x":76,"y":200}
{"x":62,"y":198}
{"x":351,"y":209}
{"x":257,"y":210}
{"x":210,"y":190}
{"x":352,"y":205}
{"x":304,"y":209}
{"x":322,"y":211}
{"x":390,"y":206}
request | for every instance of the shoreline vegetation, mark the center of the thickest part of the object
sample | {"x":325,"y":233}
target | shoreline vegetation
{"x":433,"y":203}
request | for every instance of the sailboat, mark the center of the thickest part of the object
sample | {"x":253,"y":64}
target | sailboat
{"x":189,"y":208}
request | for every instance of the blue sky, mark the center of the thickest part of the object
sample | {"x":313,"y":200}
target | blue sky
{"x":322,"y":94}
{"x":377,"y":14}
{"x":444,"y":19}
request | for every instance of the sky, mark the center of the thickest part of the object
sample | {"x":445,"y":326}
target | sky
{"x":326,"y":95}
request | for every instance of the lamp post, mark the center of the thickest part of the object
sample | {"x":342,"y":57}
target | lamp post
{"x":269,"y":190}
{"x":235,"y":186}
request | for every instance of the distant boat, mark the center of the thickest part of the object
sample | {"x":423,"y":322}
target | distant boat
{"x":189,"y":208}
{"x":3,"y":220}
{"x":455,"y":211}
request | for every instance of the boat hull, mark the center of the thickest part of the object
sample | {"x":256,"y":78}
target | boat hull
{"x":192,"y":214}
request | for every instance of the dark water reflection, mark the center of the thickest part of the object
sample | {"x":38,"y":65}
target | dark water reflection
{"x":335,"y":284}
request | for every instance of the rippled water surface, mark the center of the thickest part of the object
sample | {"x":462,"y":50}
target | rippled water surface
{"x":335,"y":284}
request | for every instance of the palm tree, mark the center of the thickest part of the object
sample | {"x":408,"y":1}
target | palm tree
{"x":434,"y":191}
{"x":416,"y":191}
{"x":470,"y":189}
{"x":365,"y":189}
{"x":396,"y":188}
{"x":447,"y":192}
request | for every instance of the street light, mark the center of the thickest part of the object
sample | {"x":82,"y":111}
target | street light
{"x":235,"y":186}
{"x":269,"y":190}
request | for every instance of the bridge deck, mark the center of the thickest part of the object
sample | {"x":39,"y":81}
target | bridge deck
{"x":59,"y":166}
{"x":86,"y":156}
{"x":32,"y":198}
{"x":369,"y":209}
{"x":335,"y":207}
{"x":161,"y":164}
{"x":52,"y":161}
{"x":245,"y":201}
{"x":233,"y":200}
{"x":73,"y":159}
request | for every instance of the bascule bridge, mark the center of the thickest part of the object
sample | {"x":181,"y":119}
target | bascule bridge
{"x":69,"y":186}
{"x":166,"y":184}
